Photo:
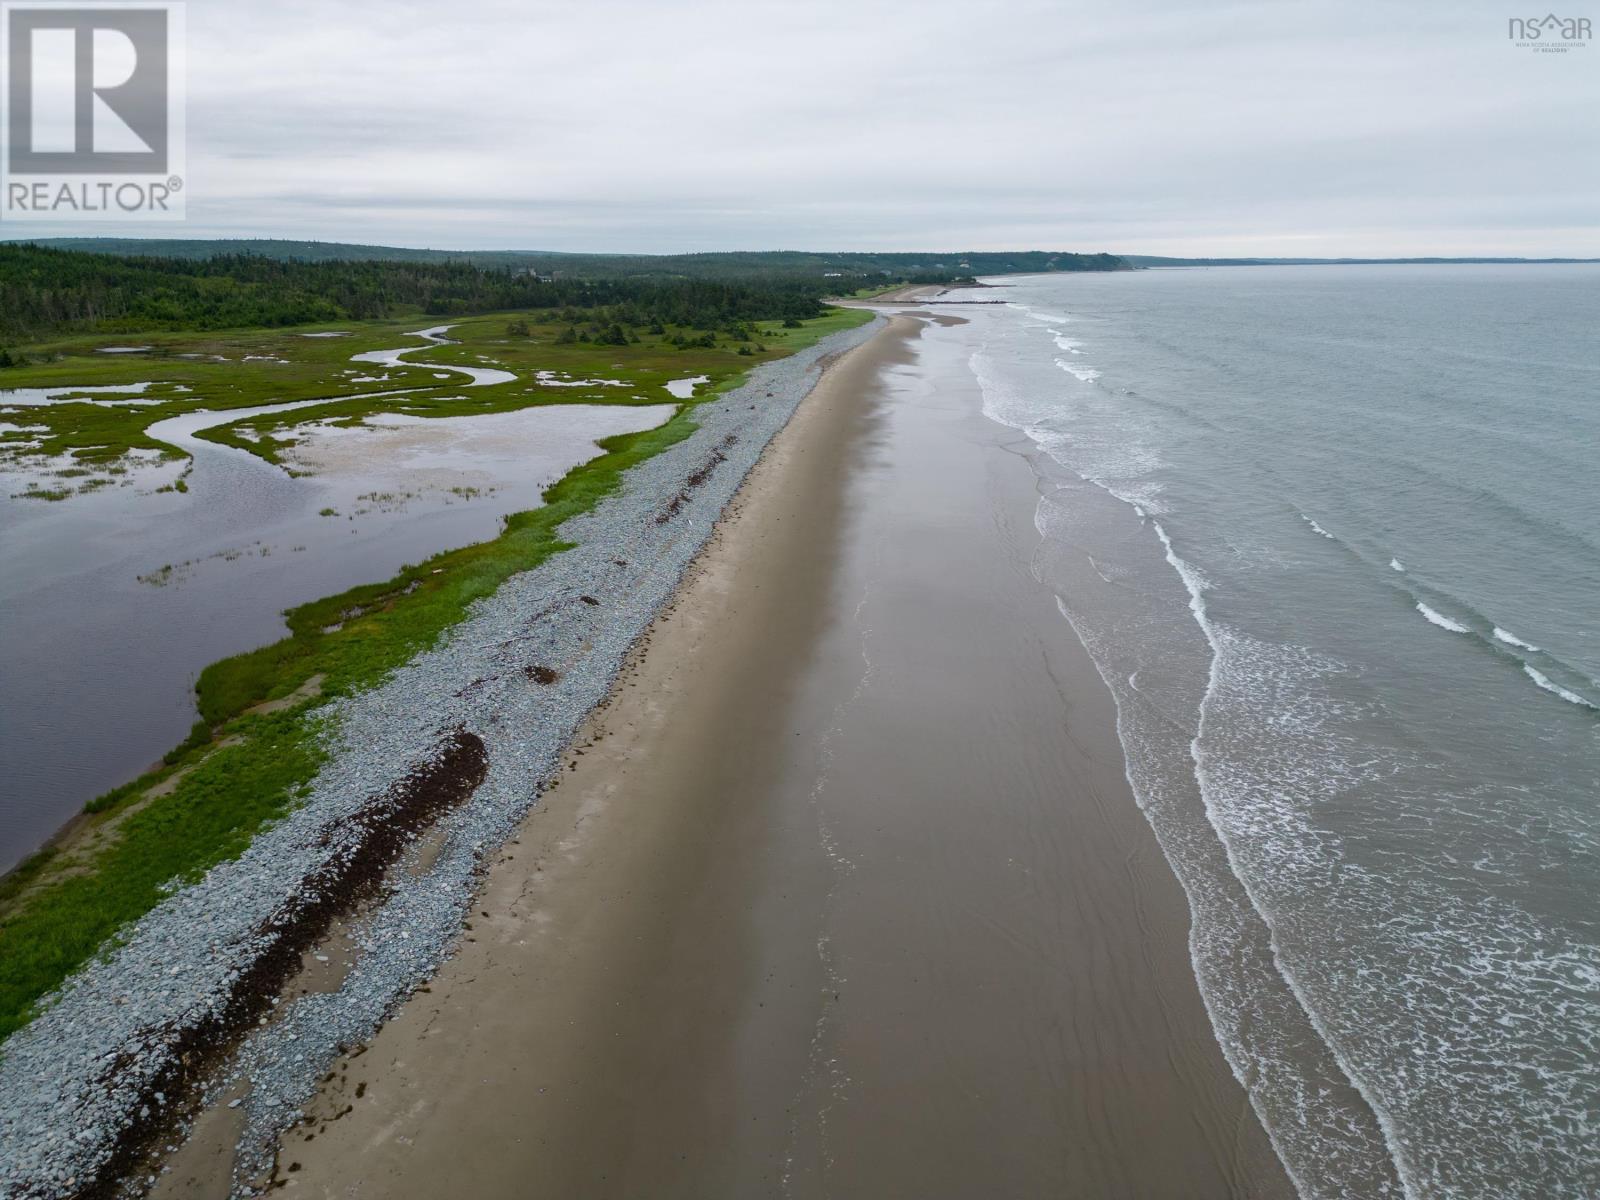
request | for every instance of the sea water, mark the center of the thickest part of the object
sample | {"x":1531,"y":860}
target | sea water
{"x":1332,"y":537}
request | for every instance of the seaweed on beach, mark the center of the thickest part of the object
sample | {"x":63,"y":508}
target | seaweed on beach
{"x":696,"y":479}
{"x":362,"y":848}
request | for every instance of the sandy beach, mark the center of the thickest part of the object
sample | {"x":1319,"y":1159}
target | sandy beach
{"x":842,"y":893}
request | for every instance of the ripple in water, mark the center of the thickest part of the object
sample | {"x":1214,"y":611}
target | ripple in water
{"x":1387,"y":836}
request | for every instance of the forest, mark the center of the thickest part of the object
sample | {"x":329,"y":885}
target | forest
{"x":45,"y":292}
{"x":930,"y":266}
{"x":52,"y":290}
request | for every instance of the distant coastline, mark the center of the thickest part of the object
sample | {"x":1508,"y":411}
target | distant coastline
{"x":925,"y":266}
{"x":1145,"y":261}
{"x":929,"y":266}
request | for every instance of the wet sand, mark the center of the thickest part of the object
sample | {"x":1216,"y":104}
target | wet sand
{"x":844,"y":893}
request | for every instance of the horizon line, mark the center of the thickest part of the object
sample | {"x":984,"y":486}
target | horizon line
{"x":7,"y":238}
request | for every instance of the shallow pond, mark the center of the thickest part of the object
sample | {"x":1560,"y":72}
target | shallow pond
{"x":116,"y":600}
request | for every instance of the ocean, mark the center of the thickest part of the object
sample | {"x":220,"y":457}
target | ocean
{"x":1331,"y":536}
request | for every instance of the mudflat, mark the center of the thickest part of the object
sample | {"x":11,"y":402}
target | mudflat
{"x":843,"y":892}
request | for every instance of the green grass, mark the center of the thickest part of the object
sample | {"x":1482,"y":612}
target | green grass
{"x":239,"y":770}
{"x":25,"y":873}
{"x":232,"y":370}
{"x":645,"y":366}
{"x":249,"y":368}
{"x":212,"y":815}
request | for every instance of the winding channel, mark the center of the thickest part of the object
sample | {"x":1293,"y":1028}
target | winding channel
{"x":116,"y":600}
{"x":180,"y":431}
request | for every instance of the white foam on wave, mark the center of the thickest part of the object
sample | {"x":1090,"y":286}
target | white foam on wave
{"x":1049,"y":318}
{"x":1246,"y":997}
{"x":1087,"y":374}
{"x":1396,"y":565}
{"x":1512,"y":639}
{"x":1065,"y":343}
{"x":1107,"y":444}
{"x":1279,"y":743}
{"x":1193,"y":580}
{"x":1145,"y":497}
{"x":1211,"y":776}
{"x":1550,"y":685}
{"x":1439,"y":619}
{"x":1318,"y":528}
{"x":1118,"y":463}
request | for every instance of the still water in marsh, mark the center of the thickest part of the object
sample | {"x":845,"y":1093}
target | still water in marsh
{"x":116,"y":599}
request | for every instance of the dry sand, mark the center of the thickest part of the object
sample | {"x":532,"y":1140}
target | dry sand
{"x":844,"y":894}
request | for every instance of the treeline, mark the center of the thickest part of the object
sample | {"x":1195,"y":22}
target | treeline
{"x":46,"y":291}
{"x":934,"y":266}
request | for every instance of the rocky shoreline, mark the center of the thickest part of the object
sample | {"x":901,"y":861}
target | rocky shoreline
{"x":430,"y":774}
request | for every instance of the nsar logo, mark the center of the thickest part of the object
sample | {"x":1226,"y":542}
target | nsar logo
{"x":1549,"y":34}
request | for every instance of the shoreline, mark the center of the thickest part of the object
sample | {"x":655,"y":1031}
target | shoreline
{"x":628,"y":1001}
{"x":130,"y":1002}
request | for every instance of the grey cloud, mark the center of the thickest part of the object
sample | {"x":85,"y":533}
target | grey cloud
{"x":1302,"y":127}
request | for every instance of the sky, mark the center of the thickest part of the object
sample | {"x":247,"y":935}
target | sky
{"x":1312,"y":128}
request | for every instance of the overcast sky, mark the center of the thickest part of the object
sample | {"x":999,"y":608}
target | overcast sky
{"x":1168,"y":126}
